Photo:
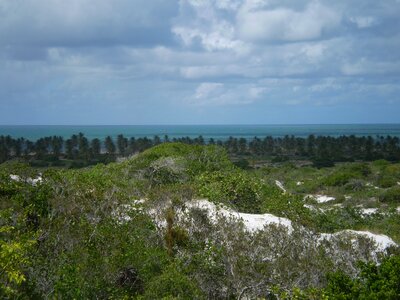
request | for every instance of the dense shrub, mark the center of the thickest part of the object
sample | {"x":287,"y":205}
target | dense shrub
{"x":338,"y":178}
{"x":196,"y":158}
{"x":386,"y":181}
{"x":234,"y":188}
{"x":374,"y":282}
{"x":172,"y":284}
{"x":347,"y":173}
{"x":323,"y":163}
{"x":391,"y":195}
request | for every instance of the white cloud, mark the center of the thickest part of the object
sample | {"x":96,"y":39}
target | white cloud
{"x":363,"y":22}
{"x":363,"y":66}
{"x":207,"y":28}
{"x":219,"y":94}
{"x":219,"y":36}
{"x":285,"y":24}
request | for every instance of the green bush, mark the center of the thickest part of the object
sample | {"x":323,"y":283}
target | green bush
{"x":380,"y":163}
{"x":172,"y":284}
{"x":361,"y":169}
{"x":386,"y":181}
{"x":323,"y":163}
{"x":338,"y":178}
{"x":345,"y":174}
{"x":195,"y":159}
{"x":374,"y":282}
{"x":391,"y":195}
{"x":235,"y":188}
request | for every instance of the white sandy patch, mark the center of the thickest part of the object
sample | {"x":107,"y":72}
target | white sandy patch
{"x":382,"y":242}
{"x":32,"y":181}
{"x":311,"y":207}
{"x":299,"y":183}
{"x":320,"y":198}
{"x":15,"y":177}
{"x":369,"y":184}
{"x":252,"y":222}
{"x":122,"y":213}
{"x":369,"y":211}
{"x":398,"y":209}
{"x":280,"y":185}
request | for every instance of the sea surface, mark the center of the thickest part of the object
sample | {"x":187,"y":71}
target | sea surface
{"x":222,"y":132}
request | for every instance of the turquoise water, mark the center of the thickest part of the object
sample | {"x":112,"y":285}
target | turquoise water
{"x":222,"y":132}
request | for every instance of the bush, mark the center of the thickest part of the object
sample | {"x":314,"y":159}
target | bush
{"x":354,"y":185}
{"x":386,"y":181}
{"x":242,"y":163}
{"x":172,"y":284}
{"x":235,"y":188}
{"x":374,"y":282}
{"x":323,"y":163}
{"x":361,"y":169}
{"x":166,"y":170}
{"x":338,"y":178}
{"x":195,"y":159}
{"x":381,"y":163}
{"x":347,"y":173}
{"x":391,"y":195}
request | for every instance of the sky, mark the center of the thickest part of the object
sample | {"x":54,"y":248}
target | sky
{"x":199,"y":62}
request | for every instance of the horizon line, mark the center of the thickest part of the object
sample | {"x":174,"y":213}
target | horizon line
{"x":227,"y":124}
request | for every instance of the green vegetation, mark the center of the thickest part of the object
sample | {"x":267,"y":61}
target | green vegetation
{"x":128,"y":230}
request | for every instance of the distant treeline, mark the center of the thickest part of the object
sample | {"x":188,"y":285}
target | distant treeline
{"x":79,"y":151}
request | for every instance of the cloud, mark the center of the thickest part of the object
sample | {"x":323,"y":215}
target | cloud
{"x":285,"y":24}
{"x":158,"y":58}
{"x":364,"y":66}
{"x":363,"y":22}
{"x":219,"y":94}
{"x":77,"y":23}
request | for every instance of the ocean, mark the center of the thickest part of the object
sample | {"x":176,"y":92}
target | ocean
{"x":221,"y":132}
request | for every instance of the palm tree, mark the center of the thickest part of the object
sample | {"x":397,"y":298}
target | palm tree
{"x":110,"y":147}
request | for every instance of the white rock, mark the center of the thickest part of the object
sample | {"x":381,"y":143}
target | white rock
{"x":35,"y":181}
{"x":121,"y":213}
{"x":299,"y":183}
{"x":310,"y":207}
{"x":320,"y":198}
{"x":15,"y":177}
{"x":280,"y":185}
{"x":369,"y":211}
{"x":32,"y":181}
{"x":381,"y":241}
{"x":252,"y":222}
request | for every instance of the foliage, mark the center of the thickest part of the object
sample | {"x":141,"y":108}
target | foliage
{"x":392,"y":195}
{"x":234,"y":188}
{"x":127,"y":231}
{"x":14,"y":259}
{"x":345,"y":174}
{"x":374,"y":282}
{"x":172,"y":284}
{"x":276,"y":202}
